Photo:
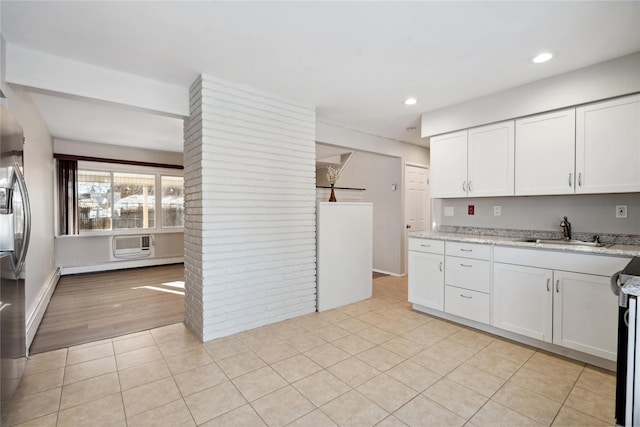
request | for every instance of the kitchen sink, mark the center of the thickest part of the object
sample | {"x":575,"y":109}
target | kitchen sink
{"x":571,"y":242}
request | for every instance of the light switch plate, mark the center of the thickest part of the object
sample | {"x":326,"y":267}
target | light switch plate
{"x":448,"y":211}
{"x":621,"y":211}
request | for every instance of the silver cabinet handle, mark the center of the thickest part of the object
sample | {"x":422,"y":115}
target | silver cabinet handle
{"x":440,"y":265}
{"x":465,"y":265}
{"x":466,"y":250}
{"x":570,"y":180}
{"x":580,"y":179}
{"x":548,"y":280}
{"x":465,"y":296}
{"x":425,"y":246}
{"x":469,"y":186}
{"x":464,"y":186}
{"x":558,"y":285}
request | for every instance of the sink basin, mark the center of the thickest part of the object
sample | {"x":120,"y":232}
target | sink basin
{"x":571,"y":242}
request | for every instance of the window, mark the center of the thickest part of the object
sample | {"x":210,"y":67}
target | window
{"x":172,"y":201}
{"x":123,"y":197}
{"x":133,"y":201}
{"x":94,"y":200}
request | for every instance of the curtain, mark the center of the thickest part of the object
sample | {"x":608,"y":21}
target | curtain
{"x":67,"y":197}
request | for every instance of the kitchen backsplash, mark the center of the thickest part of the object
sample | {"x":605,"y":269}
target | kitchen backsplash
{"x":589,"y":214}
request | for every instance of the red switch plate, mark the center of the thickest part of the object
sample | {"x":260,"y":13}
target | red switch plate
{"x":470,"y":210}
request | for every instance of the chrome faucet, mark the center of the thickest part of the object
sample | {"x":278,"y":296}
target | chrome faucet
{"x":566,"y":228}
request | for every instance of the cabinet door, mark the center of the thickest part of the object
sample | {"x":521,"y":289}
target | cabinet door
{"x":545,"y":154}
{"x":490,"y":160}
{"x":523,"y":300}
{"x":608,"y":146}
{"x":448,"y":176}
{"x":426,"y":279}
{"x":585,"y":314}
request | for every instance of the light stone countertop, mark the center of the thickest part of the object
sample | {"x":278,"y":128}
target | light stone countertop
{"x":608,"y":249}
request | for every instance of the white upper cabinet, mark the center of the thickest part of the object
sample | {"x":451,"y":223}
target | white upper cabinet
{"x":608,"y":146}
{"x":490,"y":160}
{"x":545,"y":154}
{"x":474,"y":163}
{"x":448,"y":176}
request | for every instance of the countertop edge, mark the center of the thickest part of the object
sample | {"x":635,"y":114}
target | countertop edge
{"x":613,"y":250}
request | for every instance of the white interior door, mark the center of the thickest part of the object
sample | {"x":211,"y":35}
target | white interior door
{"x":417,"y":214}
{"x":417,"y":211}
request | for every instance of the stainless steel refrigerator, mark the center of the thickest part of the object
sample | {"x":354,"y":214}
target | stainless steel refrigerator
{"x":15,"y":219}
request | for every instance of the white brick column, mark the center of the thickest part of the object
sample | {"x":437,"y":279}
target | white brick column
{"x":250,"y":249}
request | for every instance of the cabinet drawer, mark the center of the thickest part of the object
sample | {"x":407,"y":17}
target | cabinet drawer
{"x":468,"y":250}
{"x":468,"y":304}
{"x":426,"y":245}
{"x":468,"y":273}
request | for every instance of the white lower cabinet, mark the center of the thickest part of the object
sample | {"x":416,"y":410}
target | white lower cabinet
{"x":469,"y":304}
{"x":522,"y":300}
{"x":573,"y":310}
{"x":468,"y":281}
{"x":426,"y":274}
{"x":585,"y":314}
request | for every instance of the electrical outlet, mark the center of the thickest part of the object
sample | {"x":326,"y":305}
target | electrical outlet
{"x":497,"y":210}
{"x":621,"y":211}
{"x":471,"y":209}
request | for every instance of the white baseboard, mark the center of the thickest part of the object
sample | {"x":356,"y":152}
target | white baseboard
{"x":34,"y":318}
{"x":118,"y":265}
{"x":388,"y":272}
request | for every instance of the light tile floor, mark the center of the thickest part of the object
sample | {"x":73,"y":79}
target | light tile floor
{"x":371,"y":363}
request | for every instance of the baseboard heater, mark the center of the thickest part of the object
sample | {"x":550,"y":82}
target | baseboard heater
{"x":132,"y":247}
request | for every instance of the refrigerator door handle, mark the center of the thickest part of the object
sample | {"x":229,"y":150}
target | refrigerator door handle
{"x":22,"y":186}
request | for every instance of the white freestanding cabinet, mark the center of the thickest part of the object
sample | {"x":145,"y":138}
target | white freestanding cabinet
{"x":448,"y":175}
{"x":345,"y":253}
{"x":426,"y":273}
{"x":545,"y":154}
{"x":474,"y":163}
{"x":608,"y":146}
{"x":523,"y":301}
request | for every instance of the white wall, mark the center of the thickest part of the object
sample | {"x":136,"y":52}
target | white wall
{"x":616,"y":77}
{"x":327,"y":133}
{"x":587,"y":213}
{"x":117,"y":152}
{"x":250,"y":228}
{"x":87,"y":253}
{"x":376,"y":173}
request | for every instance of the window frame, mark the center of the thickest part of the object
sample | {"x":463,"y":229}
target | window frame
{"x":112,"y":168}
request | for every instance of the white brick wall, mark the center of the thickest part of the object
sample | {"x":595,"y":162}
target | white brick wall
{"x":250,"y":251}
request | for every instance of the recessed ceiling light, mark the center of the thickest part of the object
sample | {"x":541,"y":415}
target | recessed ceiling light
{"x":542,"y":57}
{"x":410,"y":101}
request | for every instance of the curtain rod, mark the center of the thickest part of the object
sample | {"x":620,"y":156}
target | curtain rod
{"x":115,"y":161}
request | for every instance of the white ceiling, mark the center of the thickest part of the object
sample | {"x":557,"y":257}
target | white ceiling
{"x":354,"y":61}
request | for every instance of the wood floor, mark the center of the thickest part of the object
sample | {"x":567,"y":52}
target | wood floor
{"x":92,"y":307}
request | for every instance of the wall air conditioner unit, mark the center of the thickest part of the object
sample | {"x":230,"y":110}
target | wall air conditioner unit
{"x":132,"y":247}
